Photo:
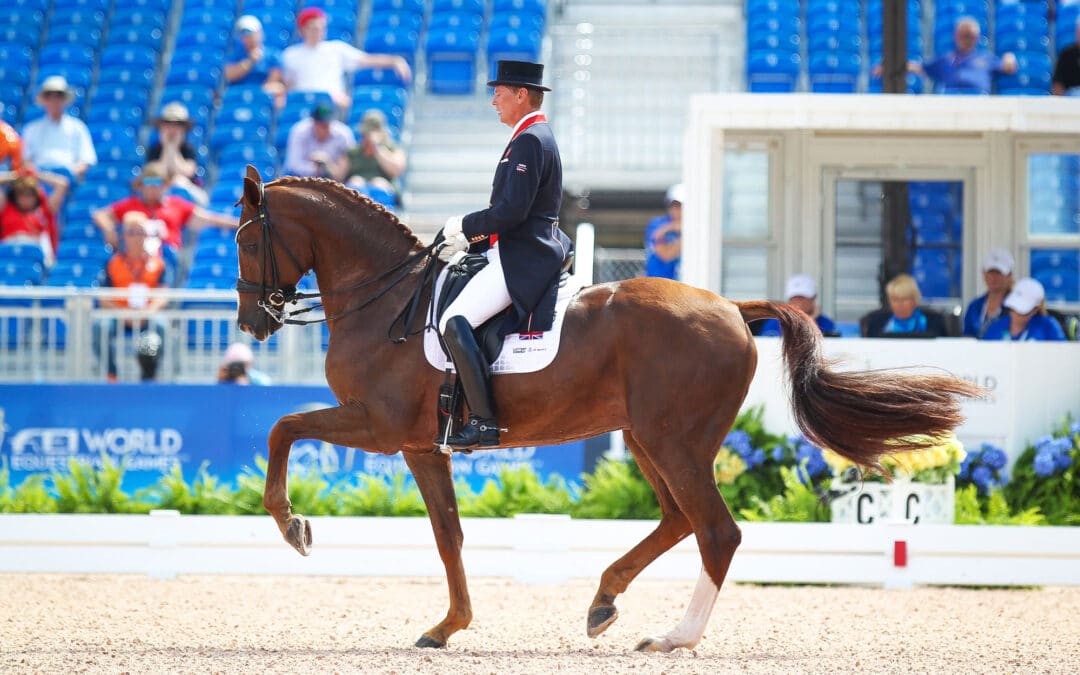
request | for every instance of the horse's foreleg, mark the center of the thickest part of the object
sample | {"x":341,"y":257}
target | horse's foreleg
{"x":673,"y":528}
{"x":340,"y":426}
{"x":435,"y":480}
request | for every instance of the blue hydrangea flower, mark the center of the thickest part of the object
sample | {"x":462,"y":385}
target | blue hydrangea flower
{"x":739,"y":441}
{"x":1062,"y":445}
{"x":1044,"y":464}
{"x":965,"y":467}
{"x":757,"y":457}
{"x":1043,"y":440}
{"x":982,"y":477}
{"x":816,"y":466}
{"x":778,"y":453}
{"x":994,"y":457}
{"x":1062,"y":461}
{"x":1074,"y":428}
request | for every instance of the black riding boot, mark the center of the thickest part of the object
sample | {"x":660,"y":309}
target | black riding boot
{"x":481,"y":430}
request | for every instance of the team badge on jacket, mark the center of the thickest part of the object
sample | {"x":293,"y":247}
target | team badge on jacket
{"x":521,"y":168}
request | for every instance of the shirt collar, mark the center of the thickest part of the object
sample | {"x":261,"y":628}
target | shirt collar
{"x":523,"y":120}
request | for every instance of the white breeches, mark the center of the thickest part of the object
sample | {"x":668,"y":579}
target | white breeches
{"x":483,"y":297}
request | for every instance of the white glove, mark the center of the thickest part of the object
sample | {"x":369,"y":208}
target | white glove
{"x":452,"y":226}
{"x":456,"y":243}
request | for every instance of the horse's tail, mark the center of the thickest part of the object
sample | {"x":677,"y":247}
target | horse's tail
{"x":860,"y":415}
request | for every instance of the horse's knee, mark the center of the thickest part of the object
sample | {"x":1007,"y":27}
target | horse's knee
{"x":731,"y":537}
{"x":285,"y":428}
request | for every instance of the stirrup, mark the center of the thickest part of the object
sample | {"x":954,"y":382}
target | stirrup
{"x":478,"y":433}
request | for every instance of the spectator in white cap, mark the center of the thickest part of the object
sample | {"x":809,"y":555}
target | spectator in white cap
{"x":801,"y":293}
{"x":236,"y":367}
{"x":1027,"y":318}
{"x":663,"y":237}
{"x":58,"y":142}
{"x":997,"y":269}
{"x":251,"y":62}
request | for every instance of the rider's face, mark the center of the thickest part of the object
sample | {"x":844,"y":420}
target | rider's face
{"x":512,"y":103}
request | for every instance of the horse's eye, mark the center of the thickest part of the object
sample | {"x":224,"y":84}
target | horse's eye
{"x":248,"y":248}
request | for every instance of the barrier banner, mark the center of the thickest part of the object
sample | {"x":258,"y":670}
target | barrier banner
{"x":148,"y":429}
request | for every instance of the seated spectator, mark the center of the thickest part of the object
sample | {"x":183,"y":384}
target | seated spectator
{"x":11,"y":156}
{"x":320,"y":65}
{"x":176,"y":156}
{"x":376,"y":159}
{"x":252,"y":62}
{"x":801,"y":293}
{"x":903,"y":317}
{"x":58,"y":142}
{"x":28,"y":215}
{"x":1027,"y":318}
{"x":317,"y":145}
{"x":983,"y":310}
{"x":968,"y":68}
{"x":1066,"y":79}
{"x":168,"y":214}
{"x":663,"y":237}
{"x":237,"y":367}
{"x":137,"y":270}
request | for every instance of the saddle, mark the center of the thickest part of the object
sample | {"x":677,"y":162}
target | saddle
{"x":451,"y":397}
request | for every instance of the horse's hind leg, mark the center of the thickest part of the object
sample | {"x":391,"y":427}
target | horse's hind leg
{"x":343,"y":425}
{"x":435,"y":480}
{"x":673,"y":528}
{"x":695,"y":492}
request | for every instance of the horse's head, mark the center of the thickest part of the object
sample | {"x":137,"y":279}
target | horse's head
{"x":269,"y":268}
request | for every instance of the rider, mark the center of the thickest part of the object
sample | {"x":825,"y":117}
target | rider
{"x":519,"y":233}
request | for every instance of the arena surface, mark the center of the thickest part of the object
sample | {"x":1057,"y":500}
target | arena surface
{"x":118,"y":624}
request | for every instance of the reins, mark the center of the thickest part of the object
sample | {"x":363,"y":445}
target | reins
{"x":273,"y":298}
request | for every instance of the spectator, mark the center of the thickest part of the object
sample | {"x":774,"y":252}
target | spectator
{"x":1027,"y":318}
{"x":317,"y":145}
{"x":376,"y":159}
{"x":801,"y":293}
{"x":134,"y":268}
{"x":320,"y":65}
{"x":29,"y":216}
{"x":168,"y":214}
{"x":983,"y":310}
{"x":237,"y":367}
{"x":10,"y":147}
{"x":1066,"y":80}
{"x":663,"y":237}
{"x":252,"y":62}
{"x":58,"y":142}
{"x":175,"y":155}
{"x":903,"y":317}
{"x":968,"y":68}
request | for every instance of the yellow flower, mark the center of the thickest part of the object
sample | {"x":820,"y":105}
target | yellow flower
{"x":945,"y":454}
{"x":728,"y":466}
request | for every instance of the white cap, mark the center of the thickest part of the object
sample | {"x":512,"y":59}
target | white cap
{"x":1025,"y":296}
{"x":238,"y":352}
{"x":998,"y":259}
{"x":248,"y":23}
{"x":800,"y":285}
{"x":676,"y":193}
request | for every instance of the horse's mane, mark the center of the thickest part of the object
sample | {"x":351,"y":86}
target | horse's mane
{"x":370,"y":206}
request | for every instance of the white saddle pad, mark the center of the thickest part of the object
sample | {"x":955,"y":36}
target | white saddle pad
{"x":521,"y":352}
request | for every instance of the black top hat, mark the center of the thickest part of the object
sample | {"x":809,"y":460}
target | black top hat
{"x":520,"y":74}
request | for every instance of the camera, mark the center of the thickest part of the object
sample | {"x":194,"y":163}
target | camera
{"x":234,"y":371}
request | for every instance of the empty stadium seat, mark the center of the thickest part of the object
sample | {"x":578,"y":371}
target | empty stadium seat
{"x":512,"y":44}
{"x":20,"y":272}
{"x":24,"y":252}
{"x":451,"y":58}
{"x":397,"y":41}
{"x":770,"y":71}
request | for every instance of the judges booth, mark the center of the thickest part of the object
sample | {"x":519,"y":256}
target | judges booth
{"x":784,"y":184}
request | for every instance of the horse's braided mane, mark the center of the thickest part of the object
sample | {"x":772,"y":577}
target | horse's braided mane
{"x":370,"y":205}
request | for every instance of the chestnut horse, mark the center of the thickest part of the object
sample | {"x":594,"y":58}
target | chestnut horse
{"x":667,"y":363}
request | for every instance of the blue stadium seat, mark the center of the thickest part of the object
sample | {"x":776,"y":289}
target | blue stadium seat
{"x":391,"y":100}
{"x":201,"y":76}
{"x":25,"y":252}
{"x":390,"y":19}
{"x":88,"y":253}
{"x":451,"y":59}
{"x":456,"y":21}
{"x":774,"y":23}
{"x":378,"y":76}
{"x":771,"y":71}
{"x":142,"y":18}
{"x":834,"y":72}
{"x":130,"y":35}
{"x":78,"y":78}
{"x":779,"y":41}
{"x":141,"y":79}
{"x":228,"y":134}
{"x":127,"y":56}
{"x":13,"y":54}
{"x":259,"y":155}
{"x":85,"y":232}
{"x":835,"y":42}
{"x":413,"y":6}
{"x":64,"y":6}
{"x":114,"y":113}
{"x":66,"y":54}
{"x":203,"y":37}
{"x":240,"y":113}
{"x":760,"y":7}
{"x":517,"y":21}
{"x":113,"y":134}
{"x":85,"y":17}
{"x":246,"y":94}
{"x":509,"y":44}
{"x":19,"y":272}
{"x":398,"y":41}
{"x":14,"y":75}
{"x":931,"y":269}
{"x":75,"y":272}
{"x":221,"y":252}
{"x":532,"y":6}
{"x":1060,"y":285}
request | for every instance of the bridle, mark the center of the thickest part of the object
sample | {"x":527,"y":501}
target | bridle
{"x":273,"y":296}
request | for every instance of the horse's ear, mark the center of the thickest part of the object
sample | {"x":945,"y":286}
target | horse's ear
{"x":253,"y":186}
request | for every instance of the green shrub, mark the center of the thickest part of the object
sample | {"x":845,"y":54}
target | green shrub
{"x":616,"y":490}
{"x":204,"y":495}
{"x":516,"y":491}
{"x":971,"y":509}
{"x":373,"y":496}
{"x":1046,"y":476}
{"x":84,"y":489}
{"x":798,"y":503}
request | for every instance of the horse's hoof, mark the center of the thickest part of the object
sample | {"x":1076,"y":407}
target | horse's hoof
{"x":298,"y":534}
{"x":653,"y":644}
{"x":429,"y":643}
{"x":600,"y":618}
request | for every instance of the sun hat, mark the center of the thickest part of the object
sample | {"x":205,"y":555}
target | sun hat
{"x":1025,"y":296}
{"x":800,"y":285}
{"x":174,"y":113}
{"x":56,"y":84}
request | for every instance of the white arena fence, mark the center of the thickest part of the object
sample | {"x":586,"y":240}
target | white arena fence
{"x":537,"y":549}
{"x":48,"y":335}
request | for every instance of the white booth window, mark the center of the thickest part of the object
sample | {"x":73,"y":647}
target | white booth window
{"x":746,"y":230}
{"x":1053,"y":227}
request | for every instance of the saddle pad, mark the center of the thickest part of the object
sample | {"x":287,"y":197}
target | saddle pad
{"x":521,"y":352}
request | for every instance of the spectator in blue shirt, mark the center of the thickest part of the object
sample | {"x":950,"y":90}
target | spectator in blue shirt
{"x":983,"y":310}
{"x":1027,"y":318}
{"x":801,"y":293}
{"x":663,"y":237}
{"x":903,"y":317}
{"x":252,"y":62}
{"x":966,"y":69}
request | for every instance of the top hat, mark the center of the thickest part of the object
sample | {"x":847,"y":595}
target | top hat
{"x":520,"y":74}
